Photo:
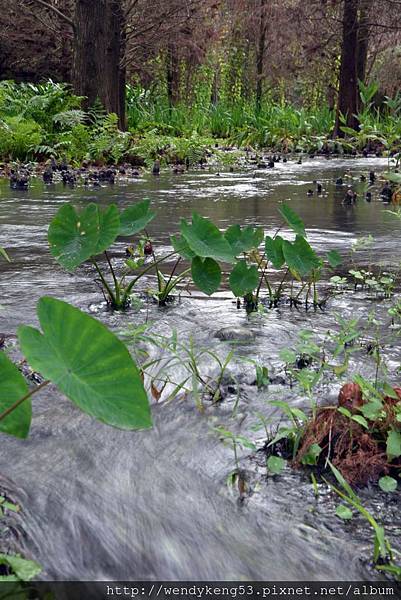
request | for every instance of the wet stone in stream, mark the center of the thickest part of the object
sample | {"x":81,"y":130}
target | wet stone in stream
{"x":235,"y":334}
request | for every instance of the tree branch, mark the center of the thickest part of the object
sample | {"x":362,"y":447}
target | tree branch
{"x":57,"y":11}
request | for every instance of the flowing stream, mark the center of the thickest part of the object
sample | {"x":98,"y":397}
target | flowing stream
{"x":99,"y":503}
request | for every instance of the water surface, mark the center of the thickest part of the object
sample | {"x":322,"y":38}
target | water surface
{"x":99,"y":503}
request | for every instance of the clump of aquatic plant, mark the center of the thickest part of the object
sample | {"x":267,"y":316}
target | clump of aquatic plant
{"x":77,"y":236}
{"x":85,"y":361}
{"x":361,"y":435}
{"x":299,"y":264}
{"x":338,"y":282}
{"x":182,"y":367}
{"x":237,"y":477}
{"x":381,"y":284}
{"x":167,"y":283}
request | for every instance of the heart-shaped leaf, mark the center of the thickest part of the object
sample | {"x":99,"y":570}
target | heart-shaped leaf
{"x":135,"y":218}
{"x":12,"y":388}
{"x":206,"y":275}
{"x":243,"y":279}
{"x":275,"y":464}
{"x":334,"y":258}
{"x":343,"y":512}
{"x":205,"y":239}
{"x":311,"y":457}
{"x":76,"y":236}
{"x":300,"y":256}
{"x":388,"y":484}
{"x":242,"y":240}
{"x":109,"y":225}
{"x":293,"y":219}
{"x":88,"y":363}
{"x":274,"y":251}
{"x":393,"y":444}
{"x":180,"y":245}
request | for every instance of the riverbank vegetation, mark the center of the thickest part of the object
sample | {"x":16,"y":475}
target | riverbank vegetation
{"x":283,"y":76}
{"x":47,"y":121}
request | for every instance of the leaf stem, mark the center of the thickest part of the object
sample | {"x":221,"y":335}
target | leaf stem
{"x":148,"y":268}
{"x":16,"y":404}
{"x":106,"y":285}
{"x":116,"y":284}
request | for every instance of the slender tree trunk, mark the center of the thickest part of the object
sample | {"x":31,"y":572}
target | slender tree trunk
{"x":260,"y":55}
{"x":363,"y":42}
{"x":347,"y":104}
{"x":173,"y":76}
{"x":122,"y":91}
{"x":247,"y":70}
{"x":98,"y":50}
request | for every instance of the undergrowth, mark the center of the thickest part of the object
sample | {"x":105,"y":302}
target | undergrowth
{"x":46,"y":120}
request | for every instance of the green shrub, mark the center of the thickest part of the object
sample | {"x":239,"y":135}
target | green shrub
{"x":19,"y":137}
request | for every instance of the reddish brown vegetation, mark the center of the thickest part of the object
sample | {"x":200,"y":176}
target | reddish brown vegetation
{"x":358,"y":453}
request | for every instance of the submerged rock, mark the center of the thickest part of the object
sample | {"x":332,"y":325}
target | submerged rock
{"x":387,"y":192}
{"x":19,"y":181}
{"x":240,"y":334}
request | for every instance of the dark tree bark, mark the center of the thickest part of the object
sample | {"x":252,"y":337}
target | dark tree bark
{"x":347,"y":104}
{"x":98,"y":53}
{"x":363,"y":42}
{"x":173,"y":75}
{"x":260,"y":55}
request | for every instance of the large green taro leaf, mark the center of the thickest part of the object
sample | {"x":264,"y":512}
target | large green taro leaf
{"x":109,"y":225}
{"x":274,"y":251}
{"x":12,"y":388}
{"x":243,"y":279}
{"x":300,"y":256}
{"x":206,"y":274}
{"x":76,"y":236}
{"x":180,"y":245}
{"x":293,"y":220}
{"x":135,"y":218}
{"x":334,"y":259}
{"x":242,"y":240}
{"x":205,"y":239}
{"x":88,"y":363}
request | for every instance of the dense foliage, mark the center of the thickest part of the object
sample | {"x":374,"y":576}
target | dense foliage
{"x":42,"y":121}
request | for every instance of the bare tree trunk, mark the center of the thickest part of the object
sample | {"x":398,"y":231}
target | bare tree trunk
{"x":347,"y":104}
{"x":363,"y":42}
{"x":260,"y":55}
{"x":98,"y":49}
{"x":173,"y":76}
